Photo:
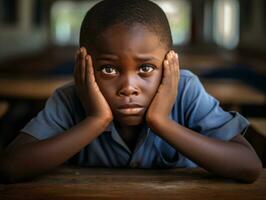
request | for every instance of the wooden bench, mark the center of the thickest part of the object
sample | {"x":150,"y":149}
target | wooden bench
{"x":259,"y":124}
{"x":234,"y":92}
{"x":31,"y":88}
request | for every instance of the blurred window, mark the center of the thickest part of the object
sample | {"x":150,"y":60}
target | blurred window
{"x":66,"y":18}
{"x":226,"y":23}
{"x":178,"y":13}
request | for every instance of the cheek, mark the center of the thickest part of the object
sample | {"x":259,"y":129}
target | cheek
{"x":152,"y":85}
{"x":106,"y":88}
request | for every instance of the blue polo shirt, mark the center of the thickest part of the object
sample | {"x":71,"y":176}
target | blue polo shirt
{"x":194,"y":108}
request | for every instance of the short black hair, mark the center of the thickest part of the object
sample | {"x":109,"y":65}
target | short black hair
{"x":128,"y":12}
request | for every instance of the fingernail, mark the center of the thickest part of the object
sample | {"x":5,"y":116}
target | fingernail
{"x":173,"y":53}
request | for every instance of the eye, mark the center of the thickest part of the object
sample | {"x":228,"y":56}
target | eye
{"x":146,"y":68}
{"x":108,"y":69}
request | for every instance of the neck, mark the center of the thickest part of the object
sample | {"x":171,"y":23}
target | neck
{"x":129,"y":134}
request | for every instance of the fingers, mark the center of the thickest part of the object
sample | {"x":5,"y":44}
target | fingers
{"x":176,"y":66}
{"x":171,"y":68}
{"x":89,"y":70}
{"x":172,"y":57}
{"x":83,"y":54}
{"x":166,"y":72}
{"x":80,"y":74}
{"x":76,"y":69}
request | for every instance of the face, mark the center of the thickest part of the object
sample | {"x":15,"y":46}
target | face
{"x":128,"y":70}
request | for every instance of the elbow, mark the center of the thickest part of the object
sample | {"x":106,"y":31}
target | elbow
{"x":252,"y":174}
{"x":7,"y":175}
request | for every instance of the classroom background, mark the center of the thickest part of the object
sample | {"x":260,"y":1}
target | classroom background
{"x":222,"y":41}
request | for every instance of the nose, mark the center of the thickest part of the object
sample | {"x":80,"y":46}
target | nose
{"x":129,"y":86}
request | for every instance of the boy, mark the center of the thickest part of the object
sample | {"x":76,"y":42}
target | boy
{"x":131,"y":106}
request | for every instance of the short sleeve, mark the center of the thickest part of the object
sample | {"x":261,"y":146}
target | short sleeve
{"x":54,"y":119}
{"x":204,"y":114}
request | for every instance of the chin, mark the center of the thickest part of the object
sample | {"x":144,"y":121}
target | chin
{"x":130,"y":120}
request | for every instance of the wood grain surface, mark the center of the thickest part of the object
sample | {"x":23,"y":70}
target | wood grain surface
{"x":92,"y":183}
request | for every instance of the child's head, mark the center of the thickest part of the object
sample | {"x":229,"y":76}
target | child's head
{"x":108,"y":13}
{"x":128,"y":41}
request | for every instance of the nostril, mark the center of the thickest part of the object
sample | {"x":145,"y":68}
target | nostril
{"x":129,"y":86}
{"x":135,"y":93}
{"x":128,"y":91}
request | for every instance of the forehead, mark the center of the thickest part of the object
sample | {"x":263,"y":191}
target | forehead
{"x":135,"y":39}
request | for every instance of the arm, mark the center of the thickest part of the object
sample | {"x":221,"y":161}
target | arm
{"x":27,"y":157}
{"x":233,"y":159}
{"x":35,"y":157}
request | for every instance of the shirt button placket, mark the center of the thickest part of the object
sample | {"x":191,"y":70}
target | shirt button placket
{"x":134,"y":164}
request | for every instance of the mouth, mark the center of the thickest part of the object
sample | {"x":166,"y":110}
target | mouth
{"x":130,"y":109}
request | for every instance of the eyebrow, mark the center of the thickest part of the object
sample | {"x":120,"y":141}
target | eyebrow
{"x":107,"y":57}
{"x":137,"y":57}
{"x":146,"y":58}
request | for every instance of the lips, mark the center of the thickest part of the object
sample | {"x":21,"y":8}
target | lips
{"x":130,"y":109}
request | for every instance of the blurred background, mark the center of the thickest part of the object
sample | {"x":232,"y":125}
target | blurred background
{"x":222,"y":41}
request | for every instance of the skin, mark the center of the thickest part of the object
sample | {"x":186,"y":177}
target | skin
{"x":122,"y":72}
{"x":128,"y":70}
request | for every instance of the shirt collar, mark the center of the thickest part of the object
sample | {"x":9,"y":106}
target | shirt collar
{"x":117,"y":138}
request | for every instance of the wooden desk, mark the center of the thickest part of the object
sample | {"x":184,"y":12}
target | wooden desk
{"x":86,"y":183}
{"x":234,"y":92}
{"x":31,"y":88}
{"x":3,"y":108}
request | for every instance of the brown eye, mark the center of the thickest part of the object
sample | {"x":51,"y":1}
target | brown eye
{"x":146,"y":68}
{"x":108,"y":69}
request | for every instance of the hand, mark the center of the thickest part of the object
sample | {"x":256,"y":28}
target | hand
{"x":165,"y":97}
{"x":87,"y":89}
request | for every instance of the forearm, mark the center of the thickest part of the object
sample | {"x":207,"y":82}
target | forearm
{"x":228,"y":159}
{"x":32,"y":159}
